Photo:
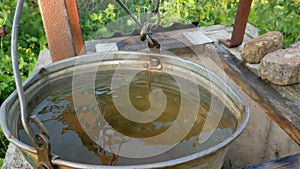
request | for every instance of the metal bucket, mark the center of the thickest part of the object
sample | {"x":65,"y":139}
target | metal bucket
{"x":56,"y":76}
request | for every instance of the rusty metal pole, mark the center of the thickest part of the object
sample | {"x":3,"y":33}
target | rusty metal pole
{"x":62,"y":27}
{"x":239,"y":25}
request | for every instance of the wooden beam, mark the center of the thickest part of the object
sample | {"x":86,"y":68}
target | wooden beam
{"x":282,"y":110}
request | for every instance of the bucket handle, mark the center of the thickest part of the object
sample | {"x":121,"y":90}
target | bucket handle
{"x":40,"y":139}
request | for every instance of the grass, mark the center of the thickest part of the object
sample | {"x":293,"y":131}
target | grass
{"x":267,"y":15}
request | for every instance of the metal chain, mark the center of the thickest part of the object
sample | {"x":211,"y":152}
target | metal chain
{"x":148,"y":26}
{"x":41,"y":139}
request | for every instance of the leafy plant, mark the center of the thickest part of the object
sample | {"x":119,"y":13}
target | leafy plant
{"x":280,"y":15}
{"x":206,"y":12}
{"x":31,"y":40}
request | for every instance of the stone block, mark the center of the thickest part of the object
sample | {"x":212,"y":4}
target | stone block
{"x":282,"y":67}
{"x":255,"y":49}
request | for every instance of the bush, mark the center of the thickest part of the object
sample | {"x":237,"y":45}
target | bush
{"x":31,"y":40}
{"x":277,"y":15}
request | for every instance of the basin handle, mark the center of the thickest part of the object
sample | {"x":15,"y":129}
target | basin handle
{"x":40,"y":139}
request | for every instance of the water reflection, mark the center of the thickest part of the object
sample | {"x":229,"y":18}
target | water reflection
{"x":70,"y":141}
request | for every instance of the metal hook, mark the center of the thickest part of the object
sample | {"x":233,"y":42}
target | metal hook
{"x":148,"y":27}
{"x":151,"y":25}
{"x":144,"y":29}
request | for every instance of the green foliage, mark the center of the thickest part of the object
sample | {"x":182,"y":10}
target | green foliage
{"x":206,"y":12}
{"x":267,"y":15}
{"x":277,"y":15}
{"x":95,"y":15}
{"x":3,"y":145}
{"x":31,"y":40}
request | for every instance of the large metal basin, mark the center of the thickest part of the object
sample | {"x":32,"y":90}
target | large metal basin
{"x":54,"y":75}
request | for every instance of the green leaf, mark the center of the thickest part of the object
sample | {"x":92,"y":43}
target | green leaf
{"x":94,"y":16}
{"x":2,"y":77}
{"x":33,"y":39}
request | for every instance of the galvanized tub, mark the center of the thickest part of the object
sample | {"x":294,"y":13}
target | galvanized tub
{"x":57,"y":75}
